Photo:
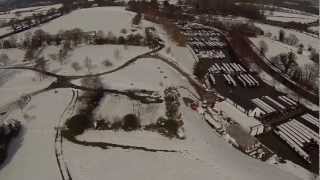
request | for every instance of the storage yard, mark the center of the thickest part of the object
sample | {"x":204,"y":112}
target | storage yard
{"x":291,"y":122}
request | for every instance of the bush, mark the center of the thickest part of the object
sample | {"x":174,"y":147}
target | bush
{"x":4,"y":59}
{"x":131,"y":122}
{"x":168,"y":127}
{"x":292,"y":40}
{"x":76,"y":66}
{"x":77,"y":124}
{"x":107,"y":63}
{"x":200,"y":68}
{"x":124,"y":31}
{"x":116,"y":125}
{"x":136,"y":20}
{"x":168,"y":50}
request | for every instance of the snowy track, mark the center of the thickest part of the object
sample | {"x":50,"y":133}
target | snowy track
{"x":62,"y":164}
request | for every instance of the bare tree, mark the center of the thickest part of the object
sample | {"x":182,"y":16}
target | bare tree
{"x":4,"y":59}
{"x":117,"y":54}
{"x":27,"y":38}
{"x":285,"y":62}
{"x":310,"y":76}
{"x":29,"y":54}
{"x":77,"y":36}
{"x":41,"y":64}
{"x":281,"y":35}
{"x":292,"y":40}
{"x":125,"y":46}
{"x":290,"y":62}
{"x":136,"y":20}
{"x":311,"y":72}
{"x":39,"y":36}
{"x":111,"y":36}
{"x":297,"y":74}
{"x":314,"y":55}
{"x":168,"y":50}
{"x":76,"y":66}
{"x":124,"y":31}
{"x":13,"y":40}
{"x":63,"y":52}
{"x":101,"y":34}
{"x":88,"y":64}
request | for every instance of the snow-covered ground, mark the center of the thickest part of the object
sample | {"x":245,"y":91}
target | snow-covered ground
{"x":14,"y":83}
{"x":106,"y":19}
{"x":314,"y":29}
{"x":5,"y":30}
{"x":202,"y":155}
{"x":288,"y":17}
{"x":305,"y":39}
{"x":21,"y":83}
{"x":146,"y":73}
{"x":293,"y":168}
{"x":31,"y":154}
{"x":98,"y":54}
{"x":276,"y":47}
{"x":113,"y":108}
{"x":15,"y":55}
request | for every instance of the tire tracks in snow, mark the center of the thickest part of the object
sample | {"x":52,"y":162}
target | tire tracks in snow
{"x":58,"y":141}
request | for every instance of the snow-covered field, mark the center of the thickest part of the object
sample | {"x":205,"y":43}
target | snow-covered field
{"x":288,"y":17}
{"x":31,"y":154}
{"x":146,"y":73}
{"x":295,"y":169}
{"x":276,"y":47}
{"x":98,"y":54}
{"x":106,"y":19}
{"x":314,"y":29}
{"x":305,"y":39}
{"x":15,"y":55}
{"x":113,"y":108}
{"x":20,"y":83}
{"x":202,"y":155}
